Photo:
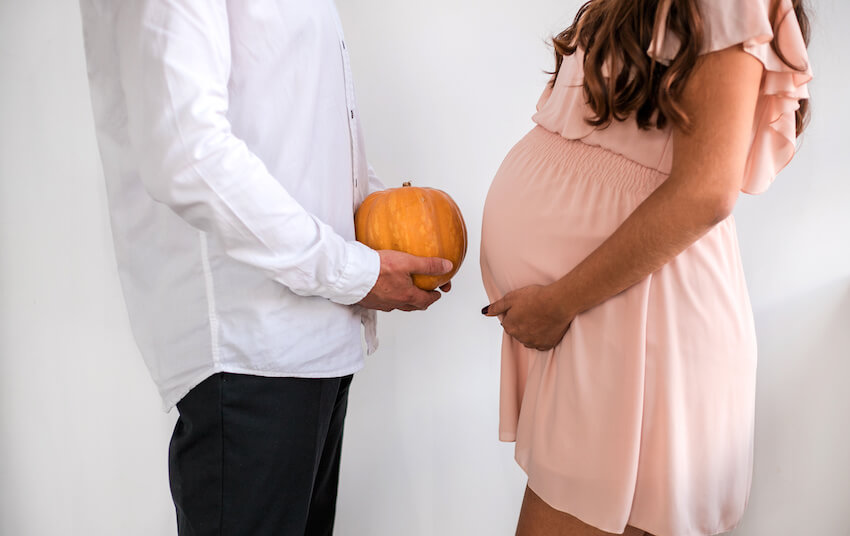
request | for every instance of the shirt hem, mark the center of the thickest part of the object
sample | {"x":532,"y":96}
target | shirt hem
{"x":168,"y":403}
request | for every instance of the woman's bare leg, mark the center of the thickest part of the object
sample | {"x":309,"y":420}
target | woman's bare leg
{"x":536,"y":518}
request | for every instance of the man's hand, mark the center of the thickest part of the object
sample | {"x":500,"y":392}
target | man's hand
{"x":395,"y":289}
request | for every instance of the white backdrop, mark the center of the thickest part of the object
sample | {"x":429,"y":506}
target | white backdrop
{"x":446,"y":87}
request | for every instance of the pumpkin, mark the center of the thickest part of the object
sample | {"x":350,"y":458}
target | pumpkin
{"x":420,"y":221}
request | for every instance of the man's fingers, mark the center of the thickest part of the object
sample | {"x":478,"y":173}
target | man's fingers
{"x":447,"y":287}
{"x":429,"y":298}
{"x":418,"y":300}
{"x":429,"y":265}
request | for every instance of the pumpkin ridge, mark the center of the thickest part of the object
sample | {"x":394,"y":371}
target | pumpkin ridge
{"x":420,"y":221}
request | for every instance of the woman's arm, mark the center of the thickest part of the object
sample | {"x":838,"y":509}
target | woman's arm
{"x":708,"y":169}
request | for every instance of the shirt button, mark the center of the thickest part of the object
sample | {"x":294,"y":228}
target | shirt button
{"x":352,"y":114}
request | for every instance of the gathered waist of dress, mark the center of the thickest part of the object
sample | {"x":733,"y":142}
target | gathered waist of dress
{"x":590,"y":162}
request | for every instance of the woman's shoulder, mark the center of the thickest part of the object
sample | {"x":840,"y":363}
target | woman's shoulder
{"x":767,"y":30}
{"x":726,"y":23}
{"x":770,"y":31}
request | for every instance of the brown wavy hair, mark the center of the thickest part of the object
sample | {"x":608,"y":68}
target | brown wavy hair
{"x":617,"y":33}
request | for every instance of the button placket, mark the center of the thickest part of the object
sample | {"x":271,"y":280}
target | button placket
{"x":352,"y":124}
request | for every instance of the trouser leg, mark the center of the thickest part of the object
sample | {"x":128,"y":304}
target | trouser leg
{"x":258,"y":456}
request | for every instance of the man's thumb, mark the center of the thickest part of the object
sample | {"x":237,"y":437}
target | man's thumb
{"x":431,"y":266}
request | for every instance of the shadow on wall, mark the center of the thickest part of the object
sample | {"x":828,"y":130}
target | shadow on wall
{"x":802,"y":416}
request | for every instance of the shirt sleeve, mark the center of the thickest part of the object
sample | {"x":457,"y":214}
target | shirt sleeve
{"x":175,"y":65}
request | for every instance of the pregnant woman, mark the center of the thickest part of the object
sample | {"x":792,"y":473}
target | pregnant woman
{"x":610,"y":256}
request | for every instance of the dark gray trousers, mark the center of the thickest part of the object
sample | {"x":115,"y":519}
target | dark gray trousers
{"x":258,"y":456}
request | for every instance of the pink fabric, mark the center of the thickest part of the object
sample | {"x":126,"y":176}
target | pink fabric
{"x":562,"y":109}
{"x":643,"y":414}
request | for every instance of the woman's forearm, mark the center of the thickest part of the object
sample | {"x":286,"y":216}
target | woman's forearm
{"x":665,"y":224}
{"x":707,"y":171}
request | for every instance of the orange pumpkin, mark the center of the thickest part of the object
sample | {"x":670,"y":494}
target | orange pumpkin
{"x":420,"y":221}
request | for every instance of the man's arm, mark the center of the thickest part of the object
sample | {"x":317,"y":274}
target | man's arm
{"x":175,"y":66}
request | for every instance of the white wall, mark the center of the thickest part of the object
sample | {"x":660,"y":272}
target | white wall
{"x":446,"y":87}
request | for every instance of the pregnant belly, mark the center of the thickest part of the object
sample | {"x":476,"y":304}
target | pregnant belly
{"x":552,"y":202}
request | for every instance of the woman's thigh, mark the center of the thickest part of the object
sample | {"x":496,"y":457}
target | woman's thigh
{"x":536,"y":518}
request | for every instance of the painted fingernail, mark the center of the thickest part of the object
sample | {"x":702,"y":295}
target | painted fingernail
{"x":485,"y":310}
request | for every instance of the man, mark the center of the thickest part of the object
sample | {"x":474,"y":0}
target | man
{"x":234,"y":162}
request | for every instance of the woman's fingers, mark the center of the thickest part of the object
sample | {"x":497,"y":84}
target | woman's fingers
{"x":497,"y":308}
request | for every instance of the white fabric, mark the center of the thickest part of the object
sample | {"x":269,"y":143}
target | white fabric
{"x":234,"y":162}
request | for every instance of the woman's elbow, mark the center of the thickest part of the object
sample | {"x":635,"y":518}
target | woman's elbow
{"x":719,"y":206}
{"x":705,"y":209}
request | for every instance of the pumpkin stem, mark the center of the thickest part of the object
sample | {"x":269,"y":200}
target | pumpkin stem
{"x":405,"y":184}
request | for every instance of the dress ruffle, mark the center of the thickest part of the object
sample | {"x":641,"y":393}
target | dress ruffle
{"x":564,"y":110}
{"x":732,"y":22}
{"x":727,"y":23}
{"x":569,"y":104}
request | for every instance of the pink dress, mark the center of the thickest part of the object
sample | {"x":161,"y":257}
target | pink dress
{"x":643,"y":414}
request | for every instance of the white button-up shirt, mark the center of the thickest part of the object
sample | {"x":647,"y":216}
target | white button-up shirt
{"x":234,"y":162}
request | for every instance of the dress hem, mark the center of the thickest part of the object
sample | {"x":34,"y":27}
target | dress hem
{"x":649,"y":532}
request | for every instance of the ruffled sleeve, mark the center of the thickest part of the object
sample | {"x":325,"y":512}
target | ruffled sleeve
{"x":564,"y":109}
{"x":748,"y":22}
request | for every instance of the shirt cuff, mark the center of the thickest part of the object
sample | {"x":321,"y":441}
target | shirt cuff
{"x":362,"y":267}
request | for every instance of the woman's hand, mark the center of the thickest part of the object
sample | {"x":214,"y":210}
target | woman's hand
{"x":533,"y":315}
{"x":708,"y":170}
